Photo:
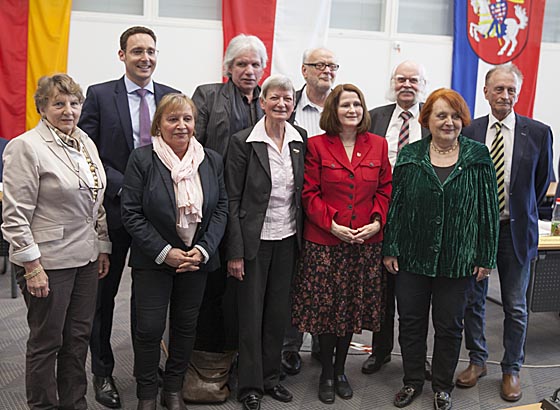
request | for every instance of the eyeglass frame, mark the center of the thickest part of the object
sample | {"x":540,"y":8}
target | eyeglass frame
{"x":413,"y":80}
{"x":138,"y":52}
{"x":332,"y":66}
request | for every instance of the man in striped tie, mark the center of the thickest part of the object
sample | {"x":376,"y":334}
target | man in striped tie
{"x":521,"y":149}
{"x":398,"y":123}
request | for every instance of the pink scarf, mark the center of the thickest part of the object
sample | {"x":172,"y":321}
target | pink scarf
{"x":183,"y":174}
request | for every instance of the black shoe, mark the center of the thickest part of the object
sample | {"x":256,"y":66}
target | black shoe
{"x":326,"y":391}
{"x":146,"y":404}
{"x":427,"y":370}
{"x":280,"y":393}
{"x":442,"y":401}
{"x":405,"y":396}
{"x":374,"y":363}
{"x":291,"y":362}
{"x":173,"y":400}
{"x":252,"y":402}
{"x":342,"y":387}
{"x":106,"y":392}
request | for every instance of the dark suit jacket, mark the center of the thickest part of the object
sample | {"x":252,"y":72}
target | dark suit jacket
{"x":531,"y":172}
{"x":106,"y":119}
{"x":3,"y":143}
{"x":381,"y":117}
{"x":298,"y":98}
{"x":149,"y":210}
{"x":249,"y":184}
{"x":214,"y":124}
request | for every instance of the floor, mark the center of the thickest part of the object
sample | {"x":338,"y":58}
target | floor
{"x":540,"y":376}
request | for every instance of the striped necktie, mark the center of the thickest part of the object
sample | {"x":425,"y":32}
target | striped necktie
{"x":404,"y":132}
{"x":497,"y":154}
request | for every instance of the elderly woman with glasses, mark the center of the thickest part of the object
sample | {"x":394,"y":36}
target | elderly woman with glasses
{"x":55,"y":223}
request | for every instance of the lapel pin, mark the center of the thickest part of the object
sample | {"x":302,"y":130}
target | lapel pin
{"x":358,"y":154}
{"x":296,"y":150}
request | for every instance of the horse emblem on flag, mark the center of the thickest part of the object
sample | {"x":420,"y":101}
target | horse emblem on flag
{"x":498,"y":29}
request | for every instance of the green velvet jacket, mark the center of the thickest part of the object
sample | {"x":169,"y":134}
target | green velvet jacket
{"x":444,"y":229}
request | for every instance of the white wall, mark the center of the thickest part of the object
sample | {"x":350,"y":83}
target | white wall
{"x":191,"y":54}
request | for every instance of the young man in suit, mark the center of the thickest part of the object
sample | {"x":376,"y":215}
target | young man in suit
{"x":393,"y":121}
{"x":114,"y":117}
{"x":523,"y":151}
{"x":319,"y":67}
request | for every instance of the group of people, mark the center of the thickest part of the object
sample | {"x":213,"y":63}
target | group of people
{"x":255,"y":214}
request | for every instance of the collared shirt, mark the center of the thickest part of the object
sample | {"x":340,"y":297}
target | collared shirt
{"x":134,"y":106}
{"x":280,"y":218}
{"x":508,"y":132}
{"x":308,"y":115}
{"x":392,"y":135}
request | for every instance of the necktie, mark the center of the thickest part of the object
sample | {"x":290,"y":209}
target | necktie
{"x":497,"y":154}
{"x":145,"y":122}
{"x":403,"y":134}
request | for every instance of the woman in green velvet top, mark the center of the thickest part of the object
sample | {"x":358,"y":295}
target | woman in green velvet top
{"x":441,"y":235}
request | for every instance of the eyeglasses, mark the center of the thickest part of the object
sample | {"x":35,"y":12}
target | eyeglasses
{"x":401,"y":79}
{"x":138,"y":52}
{"x":322,"y":66}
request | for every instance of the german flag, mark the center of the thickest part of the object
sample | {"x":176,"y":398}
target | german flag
{"x":33,"y":43}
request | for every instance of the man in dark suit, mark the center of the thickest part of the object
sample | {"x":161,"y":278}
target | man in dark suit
{"x":319,"y":67}
{"x":524,"y":170}
{"x":111,"y":116}
{"x":407,"y":88}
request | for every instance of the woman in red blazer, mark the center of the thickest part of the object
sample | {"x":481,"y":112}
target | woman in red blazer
{"x":340,"y":285}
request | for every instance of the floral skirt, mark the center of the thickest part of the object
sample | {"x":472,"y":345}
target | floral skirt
{"x":339,"y":289}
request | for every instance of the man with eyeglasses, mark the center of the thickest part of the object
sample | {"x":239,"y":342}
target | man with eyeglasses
{"x":319,"y":68}
{"x":398,"y":123}
{"x":117,"y":116}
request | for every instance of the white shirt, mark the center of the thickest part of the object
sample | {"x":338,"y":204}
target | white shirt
{"x":280,"y":217}
{"x":508,"y":132}
{"x":395,"y":124}
{"x":134,"y":106}
{"x":308,"y":115}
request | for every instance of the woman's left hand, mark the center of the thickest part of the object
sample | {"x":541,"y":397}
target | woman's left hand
{"x":481,"y":273}
{"x":366,"y":232}
{"x":192,"y":261}
{"x":103,"y":261}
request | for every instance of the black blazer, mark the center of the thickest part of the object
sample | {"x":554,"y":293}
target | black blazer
{"x":214,"y":123}
{"x":249,"y":184}
{"x":106,"y":120}
{"x":531,"y":173}
{"x":149,"y":210}
{"x":381,"y":117}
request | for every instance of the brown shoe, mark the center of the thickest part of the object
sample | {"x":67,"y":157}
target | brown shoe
{"x":469,"y":377}
{"x":511,"y":387}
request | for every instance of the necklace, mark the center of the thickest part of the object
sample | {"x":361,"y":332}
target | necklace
{"x":444,"y":151}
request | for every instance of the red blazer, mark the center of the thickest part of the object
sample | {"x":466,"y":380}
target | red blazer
{"x":351,"y":193}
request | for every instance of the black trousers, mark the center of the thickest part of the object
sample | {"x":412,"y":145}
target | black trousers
{"x":383,"y":341}
{"x":102,"y":359}
{"x":448,"y":299}
{"x":155,"y":291}
{"x":59,"y":330}
{"x":263,"y":298}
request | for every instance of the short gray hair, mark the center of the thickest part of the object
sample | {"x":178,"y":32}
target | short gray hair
{"x":279,"y":81}
{"x":241,"y":44}
{"x":310,"y":51}
{"x":507,"y":68}
{"x":390,"y":94}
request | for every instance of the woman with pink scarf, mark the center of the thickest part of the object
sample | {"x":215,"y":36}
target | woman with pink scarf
{"x":174,"y":205}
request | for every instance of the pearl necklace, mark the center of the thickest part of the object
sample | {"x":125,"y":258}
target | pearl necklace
{"x":444,"y":151}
